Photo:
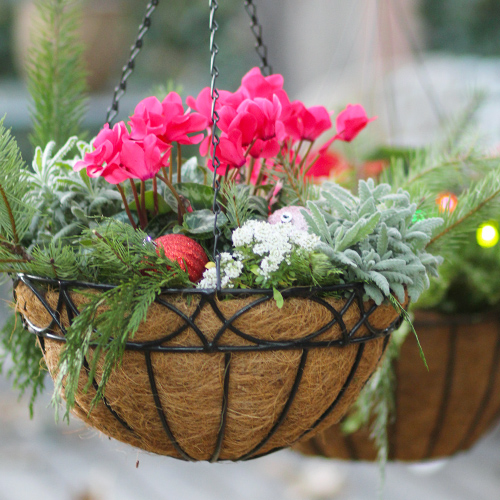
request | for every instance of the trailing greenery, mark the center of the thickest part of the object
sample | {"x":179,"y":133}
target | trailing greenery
{"x":27,"y":370}
{"x":375,"y":406}
{"x":56,"y":73}
{"x":122,"y":256}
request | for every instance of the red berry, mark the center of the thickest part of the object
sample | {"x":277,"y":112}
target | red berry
{"x":183,"y":249}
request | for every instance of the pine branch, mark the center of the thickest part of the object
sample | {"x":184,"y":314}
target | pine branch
{"x":471,"y":204}
{"x":56,"y":73}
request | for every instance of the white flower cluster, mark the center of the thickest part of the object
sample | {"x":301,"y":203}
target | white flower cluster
{"x":230,"y":269}
{"x":273,"y":242}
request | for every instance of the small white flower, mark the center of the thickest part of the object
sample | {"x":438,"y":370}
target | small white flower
{"x":230,"y":269}
{"x":274,"y":243}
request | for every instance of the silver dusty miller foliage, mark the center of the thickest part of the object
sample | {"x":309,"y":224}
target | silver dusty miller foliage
{"x":376,"y":238}
{"x":65,"y":202}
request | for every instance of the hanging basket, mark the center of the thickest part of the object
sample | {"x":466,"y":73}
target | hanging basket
{"x":440,"y":412}
{"x":225,"y":376}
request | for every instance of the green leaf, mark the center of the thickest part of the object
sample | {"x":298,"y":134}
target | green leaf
{"x":163,"y":207}
{"x":123,"y":217}
{"x":200,"y":196}
{"x":259,"y":205}
{"x":79,"y":213}
{"x":358,"y":232}
{"x":320,"y":222}
{"x":161,"y":224}
{"x":278,"y":298}
{"x":202,"y":222}
{"x":192,"y":172}
{"x":336,"y":204}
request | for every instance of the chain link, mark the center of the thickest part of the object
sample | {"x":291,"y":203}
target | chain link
{"x":256,"y":28}
{"x":128,"y":69}
{"x":214,"y":72}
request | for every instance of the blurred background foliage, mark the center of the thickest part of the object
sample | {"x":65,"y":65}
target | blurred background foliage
{"x":176,"y":52}
{"x":179,"y":43}
{"x":6,"y":56}
{"x":463,"y":26}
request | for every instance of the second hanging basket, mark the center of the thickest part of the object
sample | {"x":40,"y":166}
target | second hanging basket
{"x":440,"y":412}
{"x":222,"y":377}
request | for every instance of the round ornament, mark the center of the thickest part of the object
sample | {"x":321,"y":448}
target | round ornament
{"x":186,"y":252}
{"x":292,"y":214}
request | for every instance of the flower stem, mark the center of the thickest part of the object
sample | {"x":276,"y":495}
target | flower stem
{"x":127,"y":208}
{"x":297,"y":151}
{"x":143,"y":202}
{"x":137,"y":204}
{"x":179,"y":163}
{"x":251,"y":145}
{"x":260,"y":177}
{"x":170,"y":172}
{"x":250,"y":171}
{"x":180,"y":204}
{"x":155,"y":195}
{"x":303,"y":162}
{"x":310,"y":166}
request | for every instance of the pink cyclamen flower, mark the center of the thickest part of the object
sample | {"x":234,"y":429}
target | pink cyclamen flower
{"x":203,"y":102}
{"x":265,"y":149}
{"x":104,"y":161}
{"x":303,"y":123}
{"x":144,"y":159}
{"x":266,"y":112}
{"x":167,"y":120}
{"x":229,"y":152}
{"x":351,"y":122}
{"x":326,"y":165}
{"x":203,"y":105}
{"x":255,"y":85}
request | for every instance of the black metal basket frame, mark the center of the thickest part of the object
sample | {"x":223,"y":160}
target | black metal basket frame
{"x":56,"y":331}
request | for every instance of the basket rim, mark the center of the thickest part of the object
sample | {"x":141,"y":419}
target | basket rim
{"x":56,"y":330}
{"x":298,"y":291}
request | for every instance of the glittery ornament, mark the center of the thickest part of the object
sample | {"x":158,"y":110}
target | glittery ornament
{"x":186,"y":252}
{"x":290,"y":214}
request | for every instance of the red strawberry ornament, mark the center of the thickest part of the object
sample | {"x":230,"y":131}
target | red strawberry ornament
{"x":186,"y":252}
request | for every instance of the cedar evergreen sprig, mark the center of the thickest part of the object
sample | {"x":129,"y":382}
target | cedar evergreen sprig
{"x":15,"y":213}
{"x":126,"y":308}
{"x":123,"y":256}
{"x":56,"y":73}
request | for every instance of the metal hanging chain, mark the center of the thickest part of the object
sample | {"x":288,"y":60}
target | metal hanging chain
{"x":128,"y":69}
{"x":256,"y":28}
{"x":214,"y":72}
